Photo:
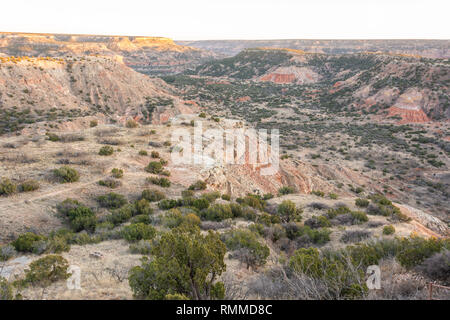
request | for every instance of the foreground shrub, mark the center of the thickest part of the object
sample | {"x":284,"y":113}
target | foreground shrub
{"x":66,"y":174}
{"x":415,"y":250}
{"x":7,"y":252}
{"x":7,"y":187}
{"x":47,"y":270}
{"x":167,"y":204}
{"x":246,"y":247}
{"x":28,"y":186}
{"x":185,"y":262}
{"x":138,"y":231}
{"x":112,"y":200}
{"x":6,"y":290}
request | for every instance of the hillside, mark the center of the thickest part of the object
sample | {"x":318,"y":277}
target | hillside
{"x":52,"y":90}
{"x":414,"y":89}
{"x":150,"y":55}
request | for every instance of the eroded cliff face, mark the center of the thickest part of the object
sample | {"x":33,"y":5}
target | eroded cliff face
{"x":57,"y":89}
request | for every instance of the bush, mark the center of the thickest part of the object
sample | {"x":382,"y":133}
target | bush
{"x":359,"y":217}
{"x":174,"y":218}
{"x":80,"y":216}
{"x":217,"y":212}
{"x":66,"y":174}
{"x":416,"y":250}
{"x":117,"y":173}
{"x":26,"y":241}
{"x":226,"y":197}
{"x":7,"y":187}
{"x":112,"y":200}
{"x":286,"y":190}
{"x":318,"y":193}
{"x":142,"y":207}
{"x":362,"y":203}
{"x":6,"y":290}
{"x":93,"y":123}
{"x":152,"y":195}
{"x":187,"y":193}
{"x":143,"y":153}
{"x":163,"y":182}
{"x":154,"y":167}
{"x":167,"y":204}
{"x":110,"y":183}
{"x":198,"y":185}
{"x":387,"y":230}
{"x":138,"y":231}
{"x":131,"y":124}
{"x":318,"y":222}
{"x":167,"y":273}
{"x":106,"y":151}
{"x":143,"y":247}
{"x":47,"y":270}
{"x":155,"y":154}
{"x":120,"y":216}
{"x":28,"y":186}
{"x":7,"y":252}
{"x":437,"y":267}
{"x":247,"y":247}
{"x":355,"y":235}
{"x":287,"y":211}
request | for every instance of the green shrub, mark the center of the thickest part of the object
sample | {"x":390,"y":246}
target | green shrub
{"x":52,"y":137}
{"x":387,"y":230}
{"x":117,"y":173}
{"x":79,"y":216}
{"x":47,"y":270}
{"x":318,"y":193}
{"x":28,"y":186}
{"x":106,"y":151}
{"x":6,"y":290}
{"x":202,"y":115}
{"x":187,"y":193}
{"x":247,"y":247}
{"x":174,"y":218}
{"x":162,"y":182}
{"x":7,"y":187}
{"x":415,"y":250}
{"x":217,"y":212}
{"x":287,"y":211}
{"x":110,"y":183}
{"x":359,"y":217}
{"x":138,"y":231}
{"x":142,"y":207}
{"x":66,"y":174}
{"x":168,"y":273}
{"x":152,"y":195}
{"x":226,"y":197}
{"x":362,"y":203}
{"x":93,"y":123}
{"x":26,"y":242}
{"x":154,"y":167}
{"x":167,"y":204}
{"x":112,"y":200}
{"x":143,"y":153}
{"x":120,"y":216}
{"x":198,"y":185}
{"x":286,"y":190}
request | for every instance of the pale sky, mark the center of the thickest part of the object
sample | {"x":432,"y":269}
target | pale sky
{"x":233,"y":19}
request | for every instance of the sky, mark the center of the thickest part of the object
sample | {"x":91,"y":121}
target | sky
{"x":233,"y":19}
